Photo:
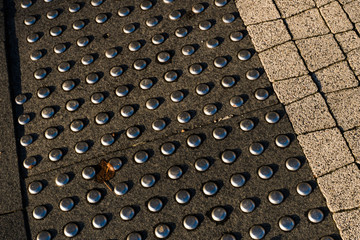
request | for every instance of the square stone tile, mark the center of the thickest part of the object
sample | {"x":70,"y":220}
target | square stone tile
{"x":341,"y":188}
{"x":353,"y":139}
{"x":307,"y":24}
{"x":348,"y":40}
{"x":335,"y":17}
{"x":345,"y":1}
{"x":310,"y":114}
{"x":320,"y":52}
{"x":257,"y":11}
{"x":345,"y":105}
{"x":353,"y":10}
{"x":348,"y":223}
{"x":282,"y":62}
{"x":335,"y":77}
{"x":294,"y":89}
{"x":268,"y":34}
{"x":353,"y":58}
{"x":325,"y":150}
{"x":288,"y":8}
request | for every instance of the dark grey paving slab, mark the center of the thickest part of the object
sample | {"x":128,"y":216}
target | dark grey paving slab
{"x":13,"y":226}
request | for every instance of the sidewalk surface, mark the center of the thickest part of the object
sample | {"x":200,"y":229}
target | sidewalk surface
{"x":220,"y":119}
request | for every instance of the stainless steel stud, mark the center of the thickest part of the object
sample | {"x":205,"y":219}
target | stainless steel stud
{"x":101,"y":18}
{"x":237,"y":180}
{"x":183,"y":117}
{"x":220,"y":62}
{"x":40,"y":74}
{"x":202,"y":89}
{"x":188,"y":50}
{"x":129,"y":28}
{"x":257,"y":232}
{"x":141,"y":156}
{"x":205,"y":25}
{"x":127,"y":213}
{"x":52,"y":14}
{"x":20,"y":99}
{"x":146,"y":5}
{"x":133,"y":132}
{"x":155,"y":205}
{"x":96,"y":3}
{"x":181,"y":32}
{"x":190,"y":222}
{"x":32,"y":37}
{"x":59,"y":48}
{"x":219,"y":133}
{"x":293,"y":164}
{"x":62,"y":179}
{"x":139,"y":64}
{"x":51,"y":133}
{"x":55,"y":155}
{"x":74,"y":7}
{"x":55,"y":31}
{"x":209,"y":109}
{"x":39,"y":212}
{"x":111,"y":53}
{"x":88,"y":173}
{"x":93,"y":196}
{"x":76,"y":125}
{"x":244,"y":55}
{"x":127,"y":111}
{"x":24,"y":119}
{"x":304,"y":189}
{"x":247,"y":125}
{"x":123,"y":12}
{"x":43,"y":235}
{"x":272,"y":117}
{"x":116,"y":71}
{"x":116,"y":163}
{"x":72,"y":105}
{"x":68,"y":85}
{"x":81,"y":147}
{"x":47,"y":112}
{"x":97,"y":98}
{"x":152,"y":104}
{"x":175,"y":15}
{"x":275,"y":197}
{"x":315,"y":215}
{"x":286,"y":224}
{"x":220,"y":3}
{"x":29,"y":163}
{"x":26,"y":3}
{"x":193,"y":141}
{"x":36,"y":55}
{"x":170,"y":76}
{"x":134,"y":46}
{"x":43,"y":92}
{"x":236,"y":101}
{"x":26,"y":140}
{"x":228,"y":156}
{"x":87,"y":59}
{"x":256,"y":149}
{"x":107,"y":139}
{"x":66,"y":204}
{"x":122,"y":91}
{"x":102,"y":118}
{"x":158,"y":125}
{"x":182,"y":197}
{"x":175,"y":172}
{"x":227,"y":236}
{"x":202,"y":165}
{"x":228,"y":82}
{"x":71,"y":230}
{"x":197,"y":8}
{"x":247,"y":205}
{"x":152,"y":22}
{"x":162,"y":231}
{"x":99,"y":221}
{"x":134,"y":236}
{"x":157,"y":39}
{"x":282,"y":141}
{"x":261,"y":94}
{"x":121,"y":189}
{"x":265,"y":172}
{"x":210,"y":188}
{"x":35,"y":187}
{"x":252,"y":74}
{"x":146,"y":84}
{"x":218,"y":214}
{"x":163,"y":57}
{"x":228,"y":18}
{"x":167,"y":148}
{"x":83,"y":41}
{"x":148,"y":181}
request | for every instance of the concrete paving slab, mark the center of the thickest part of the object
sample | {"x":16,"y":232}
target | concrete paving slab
{"x":349,"y":224}
{"x":310,"y":114}
{"x":353,"y":139}
{"x":345,"y":105}
{"x":293,"y":89}
{"x":288,"y":62}
{"x":335,"y":77}
{"x":335,"y":17}
{"x":268,"y":34}
{"x":319,"y":52}
{"x":348,"y":40}
{"x":257,"y":11}
{"x":13,"y":226}
{"x":341,"y":188}
{"x":288,"y":8}
{"x":325,"y":150}
{"x":320,"y":3}
{"x":353,"y":10}
{"x":307,"y":24}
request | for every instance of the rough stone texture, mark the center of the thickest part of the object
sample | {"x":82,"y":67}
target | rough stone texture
{"x":345,"y":1}
{"x":310,"y":114}
{"x":257,"y":11}
{"x":288,"y":8}
{"x":341,"y":188}
{"x":353,"y":139}
{"x":335,"y":77}
{"x":353,"y":10}
{"x":288,"y":63}
{"x":345,"y":105}
{"x":268,"y":34}
{"x":348,"y":40}
{"x":349,"y":224}
{"x":320,"y":3}
{"x":325,"y":150}
{"x":320,"y":52}
{"x":307,"y":24}
{"x":335,"y":17}
{"x":12,"y":226}
{"x":294,"y":89}
{"x":353,"y":58}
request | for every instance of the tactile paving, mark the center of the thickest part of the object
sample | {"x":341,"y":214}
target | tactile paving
{"x":173,"y":95}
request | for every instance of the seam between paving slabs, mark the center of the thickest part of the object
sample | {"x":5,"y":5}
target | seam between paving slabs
{"x":239,"y":5}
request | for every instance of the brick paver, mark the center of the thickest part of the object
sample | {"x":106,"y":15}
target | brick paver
{"x":268,"y":34}
{"x":349,"y":224}
{"x":348,"y":40}
{"x":310,"y":114}
{"x":257,"y":11}
{"x":325,"y":150}
{"x":353,"y":10}
{"x":288,"y":8}
{"x":335,"y":77}
{"x":307,"y":24}
{"x":320,"y":52}
{"x":335,"y":17}
{"x":353,"y":139}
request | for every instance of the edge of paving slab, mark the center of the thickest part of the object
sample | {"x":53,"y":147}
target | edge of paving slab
{"x":13,"y":217}
{"x":308,"y":63}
